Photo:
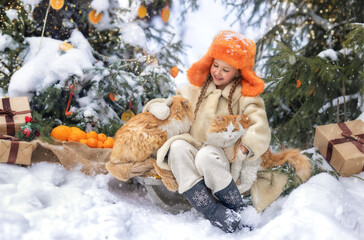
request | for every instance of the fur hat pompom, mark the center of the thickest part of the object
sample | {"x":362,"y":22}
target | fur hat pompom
{"x":235,"y":50}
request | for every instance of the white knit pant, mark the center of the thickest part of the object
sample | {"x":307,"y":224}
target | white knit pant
{"x":189,"y":165}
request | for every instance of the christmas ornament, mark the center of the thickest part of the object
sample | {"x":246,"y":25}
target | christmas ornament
{"x":65,"y":46}
{"x":56,"y":4}
{"x":165,"y":14}
{"x":128,"y":113}
{"x":142,"y":11}
{"x":94,"y":17}
{"x":114,"y":97}
{"x":28,"y":131}
{"x":174,"y":71}
{"x":28,"y":119}
{"x":298,"y":84}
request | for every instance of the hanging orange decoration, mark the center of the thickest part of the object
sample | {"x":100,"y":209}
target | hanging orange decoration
{"x":142,"y":11}
{"x":112,"y":97}
{"x":94,"y":17}
{"x":165,"y":14}
{"x":56,"y":4}
{"x":298,"y":84}
{"x":65,"y":46}
{"x":174,"y":71}
{"x":67,"y":113}
{"x":128,"y":113}
{"x":311,"y":92}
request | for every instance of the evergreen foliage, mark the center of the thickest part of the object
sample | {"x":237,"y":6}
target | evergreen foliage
{"x":128,"y":71}
{"x":312,"y":61}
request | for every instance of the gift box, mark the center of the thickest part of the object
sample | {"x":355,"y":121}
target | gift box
{"x":342,"y":145}
{"x":14,"y":151}
{"x":12,"y":114}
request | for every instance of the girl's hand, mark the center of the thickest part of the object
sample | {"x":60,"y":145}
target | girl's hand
{"x":243,"y":149}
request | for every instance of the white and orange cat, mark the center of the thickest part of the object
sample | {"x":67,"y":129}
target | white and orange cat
{"x":137,"y":141}
{"x":226,"y":131}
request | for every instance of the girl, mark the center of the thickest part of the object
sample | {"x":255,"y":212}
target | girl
{"x":222,"y":82}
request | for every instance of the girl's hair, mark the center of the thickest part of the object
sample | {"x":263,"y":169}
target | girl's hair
{"x":204,"y":88}
{"x":202,"y":93}
{"x":237,"y":80}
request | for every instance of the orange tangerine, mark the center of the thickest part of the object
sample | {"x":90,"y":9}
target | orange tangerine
{"x":65,"y":46}
{"x":83,"y":141}
{"x":174,"y":71}
{"x":142,"y":11}
{"x":57,"y":4}
{"x":92,"y":142}
{"x":102,"y":137}
{"x":165,"y":14}
{"x":74,"y":138}
{"x":61,"y":132}
{"x":99,"y":144}
{"x":94,"y":17}
{"x":76,"y":131}
{"x":92,"y":134}
{"x":108,"y":143}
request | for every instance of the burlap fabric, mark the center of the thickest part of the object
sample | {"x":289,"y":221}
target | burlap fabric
{"x":72,"y":155}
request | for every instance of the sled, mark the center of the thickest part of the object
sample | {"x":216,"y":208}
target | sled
{"x":172,"y":202}
{"x":92,"y":161}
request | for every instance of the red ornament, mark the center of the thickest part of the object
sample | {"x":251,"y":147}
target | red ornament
{"x":26,"y":132}
{"x":28,"y":119}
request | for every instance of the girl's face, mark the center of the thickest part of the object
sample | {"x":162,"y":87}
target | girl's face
{"x":222,"y":73}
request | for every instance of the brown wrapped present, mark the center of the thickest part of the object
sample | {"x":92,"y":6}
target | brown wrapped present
{"x":12,"y":114}
{"x":342,"y":145}
{"x":14,"y":151}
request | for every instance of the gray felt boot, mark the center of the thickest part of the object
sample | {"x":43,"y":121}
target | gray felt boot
{"x":215,"y":212}
{"x":230,"y":197}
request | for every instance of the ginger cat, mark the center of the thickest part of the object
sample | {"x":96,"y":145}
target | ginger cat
{"x":227,"y":130}
{"x":137,"y":141}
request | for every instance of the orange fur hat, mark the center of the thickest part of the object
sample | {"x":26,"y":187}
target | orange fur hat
{"x":235,"y":50}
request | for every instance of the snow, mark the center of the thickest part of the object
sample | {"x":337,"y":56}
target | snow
{"x":6,"y":41}
{"x":328,"y":53}
{"x":11,"y":14}
{"x":46,"y":201}
{"x":46,"y":64}
{"x":134,"y":35}
{"x":100,"y":5}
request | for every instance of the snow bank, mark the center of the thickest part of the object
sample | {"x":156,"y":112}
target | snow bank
{"x":45,"y":201}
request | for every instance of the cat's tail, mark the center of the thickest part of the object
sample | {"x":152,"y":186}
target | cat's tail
{"x":299,"y":161}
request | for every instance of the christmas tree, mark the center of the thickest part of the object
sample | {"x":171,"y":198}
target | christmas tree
{"x":311,"y":57}
{"x":85,"y":63}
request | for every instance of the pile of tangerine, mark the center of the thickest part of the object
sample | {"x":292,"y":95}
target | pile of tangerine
{"x":91,"y":138}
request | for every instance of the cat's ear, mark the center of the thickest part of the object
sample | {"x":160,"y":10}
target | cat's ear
{"x":169,"y":101}
{"x":239,"y":117}
{"x":219,"y":119}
